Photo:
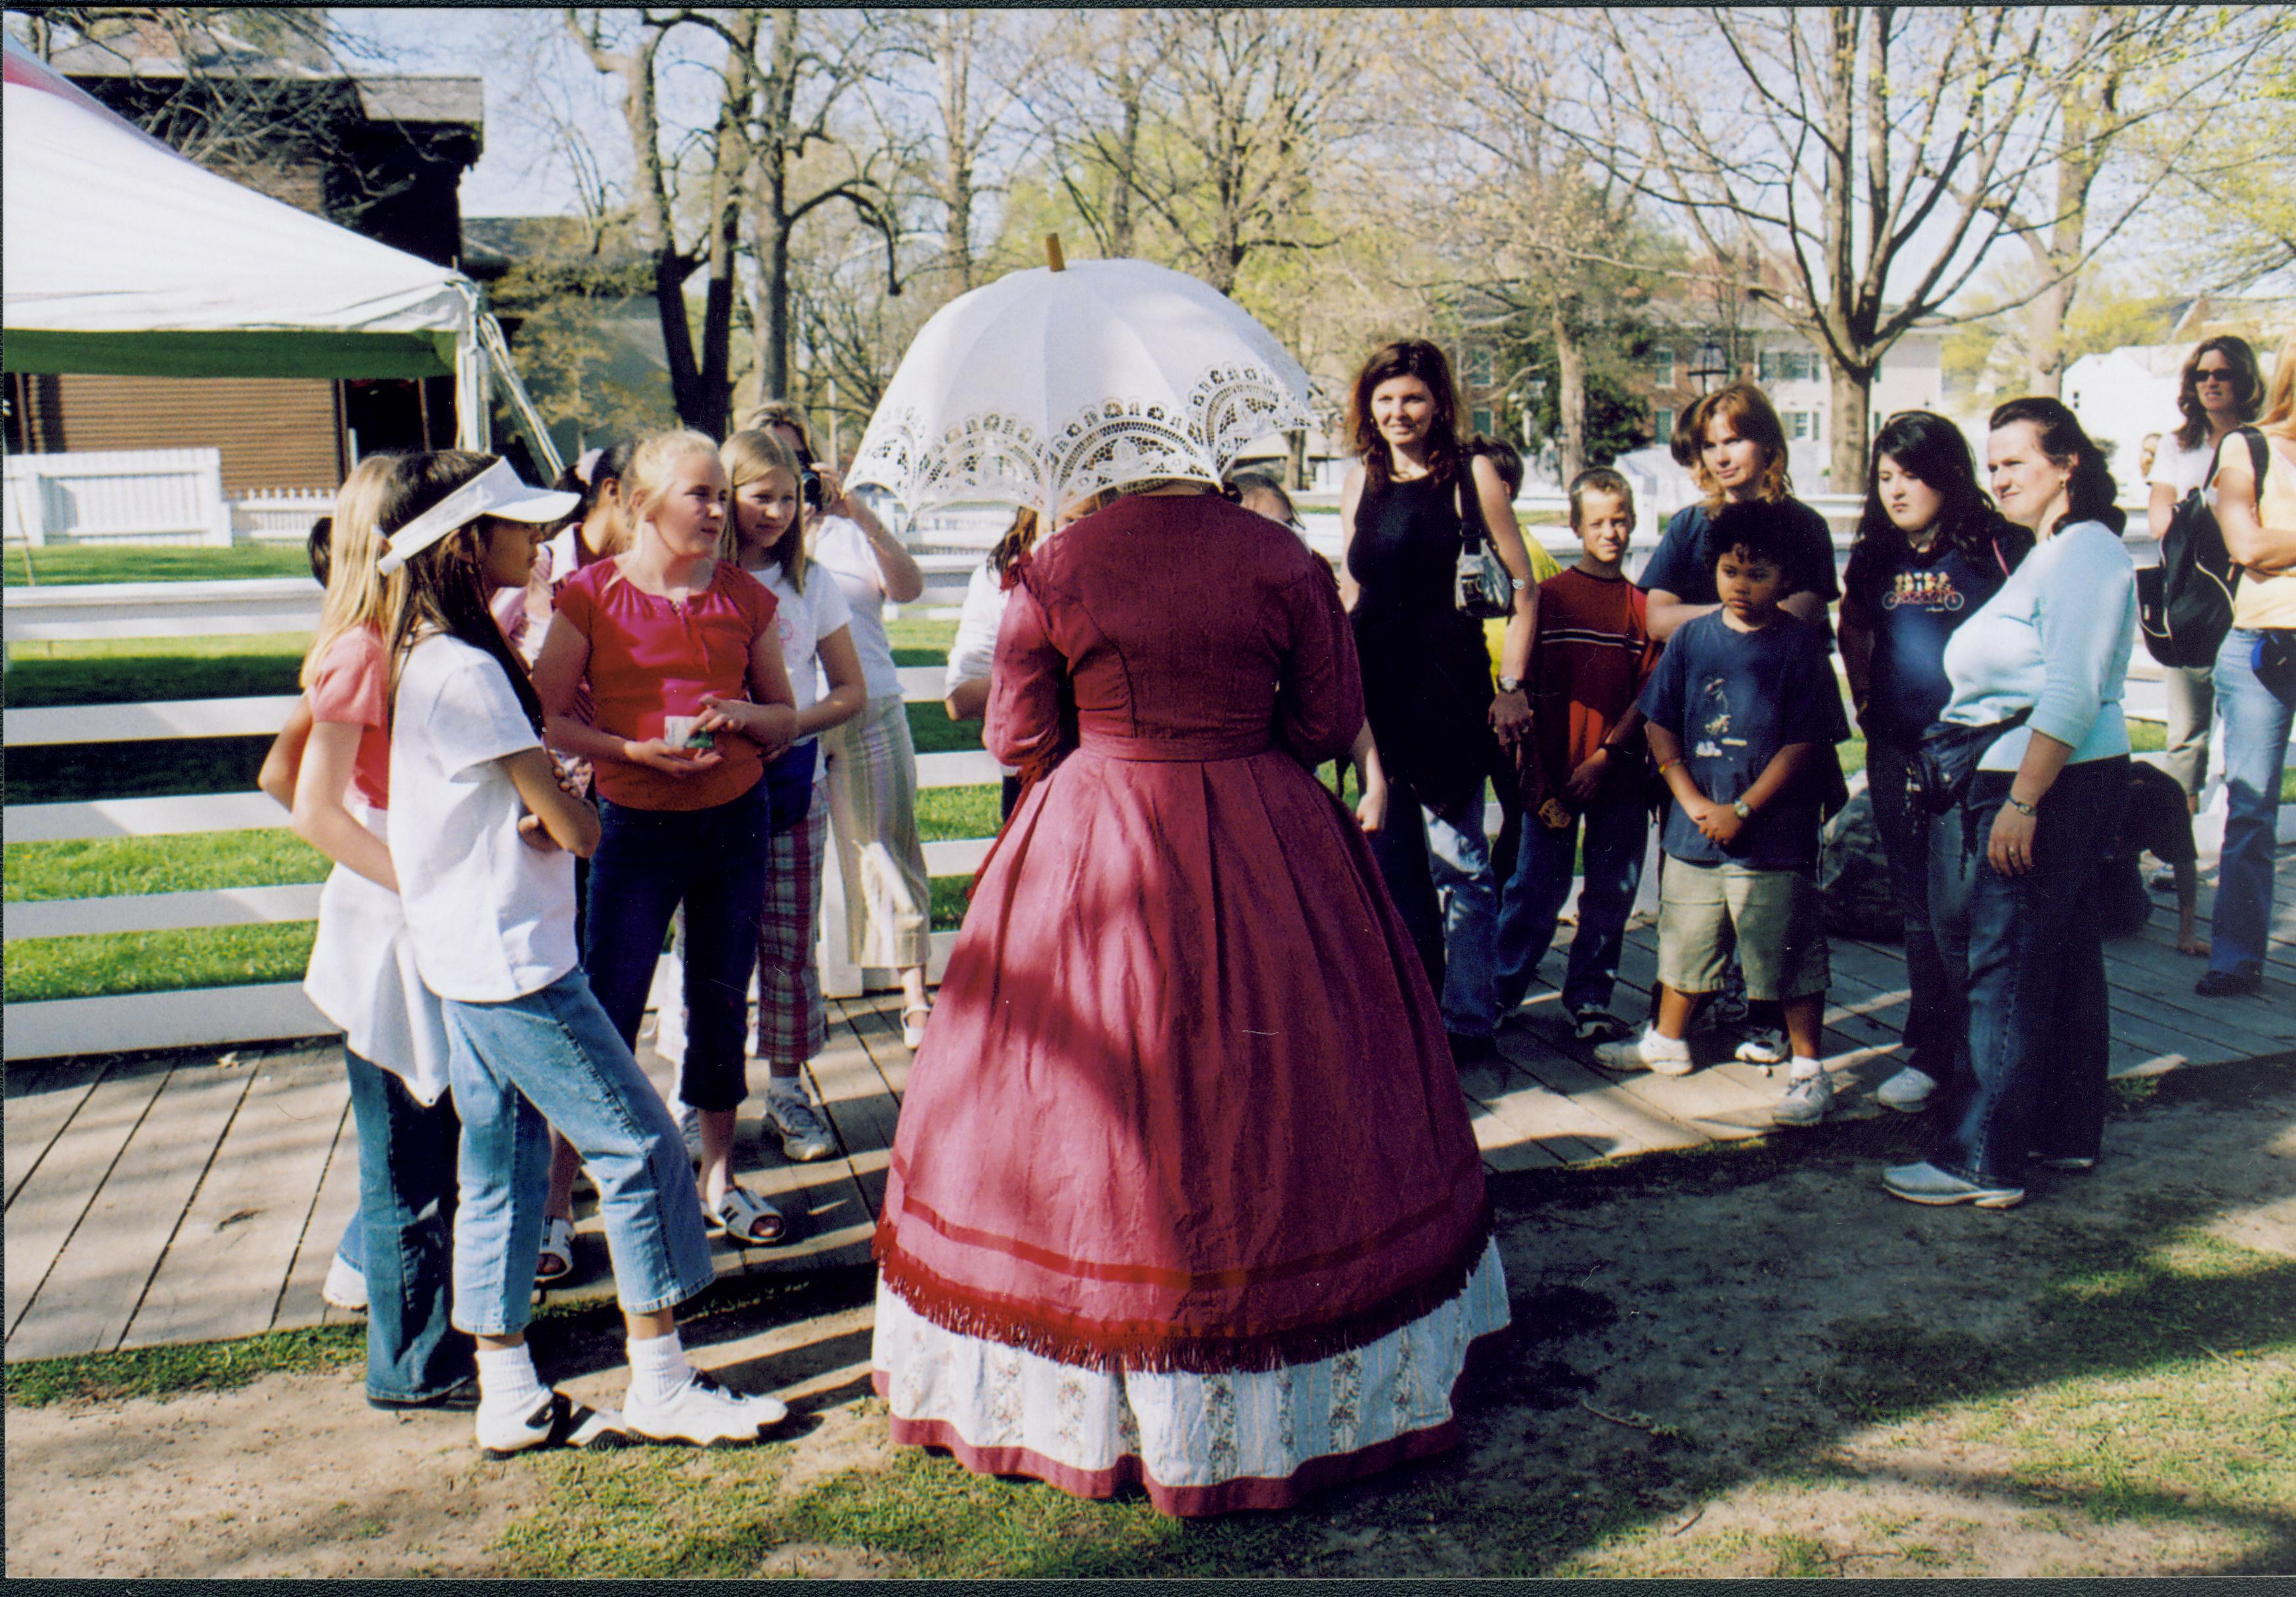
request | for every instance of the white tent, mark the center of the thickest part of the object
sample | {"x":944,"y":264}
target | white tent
{"x":121,"y":257}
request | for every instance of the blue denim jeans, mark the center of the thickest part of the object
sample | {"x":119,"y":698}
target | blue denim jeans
{"x":713,"y":862}
{"x":1532,"y":901}
{"x":2026,"y":954}
{"x":2257,"y":717}
{"x":1934,"y":1019}
{"x":552,"y":1058}
{"x":1436,"y":864}
{"x":405,"y":1234}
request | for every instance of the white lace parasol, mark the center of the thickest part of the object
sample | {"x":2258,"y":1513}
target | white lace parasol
{"x":1049,"y":385}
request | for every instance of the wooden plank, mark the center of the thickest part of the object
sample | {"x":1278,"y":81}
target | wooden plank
{"x":1627,"y":1124}
{"x":193,"y":1017}
{"x":40,"y":1104}
{"x":1520,"y":1124}
{"x":223,"y":1273}
{"x":146,"y":817}
{"x":337,"y":1199}
{"x":143,"y":723}
{"x":163,"y":911}
{"x":98,"y":1281}
{"x":51,"y":1204}
{"x":876,"y":1021}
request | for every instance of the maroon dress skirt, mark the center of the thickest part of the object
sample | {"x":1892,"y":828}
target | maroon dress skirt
{"x":1184,"y":1192}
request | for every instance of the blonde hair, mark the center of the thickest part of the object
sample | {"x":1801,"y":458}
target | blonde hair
{"x":2280,"y":393}
{"x":747,"y":455}
{"x":357,"y":594}
{"x":647,"y":475}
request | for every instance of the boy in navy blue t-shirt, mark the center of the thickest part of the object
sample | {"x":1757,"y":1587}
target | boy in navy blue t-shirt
{"x":1740,"y":713}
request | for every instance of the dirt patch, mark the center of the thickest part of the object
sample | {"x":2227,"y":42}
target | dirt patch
{"x":1710,"y":1377}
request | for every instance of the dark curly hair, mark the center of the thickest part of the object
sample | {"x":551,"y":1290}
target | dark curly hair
{"x":1926,"y":445}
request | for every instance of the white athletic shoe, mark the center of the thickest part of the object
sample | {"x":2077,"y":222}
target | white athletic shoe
{"x":1765,"y":1047}
{"x":1649,"y":1051}
{"x":1908,"y":1092}
{"x":805,"y":1134}
{"x":555,"y":1420}
{"x":1808,"y":1100}
{"x":346,"y":1286}
{"x":702,"y":1411}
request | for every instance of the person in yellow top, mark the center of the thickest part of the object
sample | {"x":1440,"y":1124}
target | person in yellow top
{"x":2255,"y":679}
{"x":1543,"y":564}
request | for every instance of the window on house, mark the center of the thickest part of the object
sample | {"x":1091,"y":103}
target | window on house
{"x":1800,"y":425}
{"x":1663,"y":425}
{"x":1789,"y":365}
{"x":1478,"y":366}
{"x":1480,"y":420}
{"x":1661,"y":367}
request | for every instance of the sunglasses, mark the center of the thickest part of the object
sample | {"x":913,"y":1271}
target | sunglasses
{"x":2213,"y":374}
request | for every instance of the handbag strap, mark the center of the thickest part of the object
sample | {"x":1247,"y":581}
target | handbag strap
{"x":1471,"y":533}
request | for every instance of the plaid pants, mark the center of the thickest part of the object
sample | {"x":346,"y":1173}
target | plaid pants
{"x":792,"y":1024}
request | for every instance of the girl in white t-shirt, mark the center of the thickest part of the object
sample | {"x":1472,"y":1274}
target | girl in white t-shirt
{"x":482,"y":836}
{"x":765,"y":536}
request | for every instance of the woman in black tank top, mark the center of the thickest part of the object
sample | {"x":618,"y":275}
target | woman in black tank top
{"x":1428,"y":692}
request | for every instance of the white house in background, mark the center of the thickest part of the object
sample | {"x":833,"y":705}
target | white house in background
{"x":2123,"y":394}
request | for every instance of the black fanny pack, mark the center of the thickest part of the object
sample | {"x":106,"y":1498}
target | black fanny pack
{"x":1939,"y":773}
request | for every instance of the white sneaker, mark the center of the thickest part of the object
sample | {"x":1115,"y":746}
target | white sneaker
{"x":555,"y":1420}
{"x":689,"y":1126}
{"x":1808,"y":1100}
{"x":346,"y":1286}
{"x":805,"y":1134}
{"x":1763,"y":1048}
{"x":702,"y":1411}
{"x":1642,"y":1053}
{"x":1908,"y":1092}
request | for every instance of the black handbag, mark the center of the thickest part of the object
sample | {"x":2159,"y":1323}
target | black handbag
{"x":1946,"y":759}
{"x":1485,"y":587}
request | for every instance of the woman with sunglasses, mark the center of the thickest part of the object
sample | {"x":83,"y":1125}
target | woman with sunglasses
{"x":2220,"y":389}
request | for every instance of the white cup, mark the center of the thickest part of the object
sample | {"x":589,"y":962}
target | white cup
{"x":677,"y":728}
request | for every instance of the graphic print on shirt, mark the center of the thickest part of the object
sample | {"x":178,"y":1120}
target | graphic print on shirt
{"x":1713,"y":719}
{"x":1930,"y":590}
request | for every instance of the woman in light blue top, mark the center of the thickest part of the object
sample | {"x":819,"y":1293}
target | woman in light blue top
{"x":2013,"y":865}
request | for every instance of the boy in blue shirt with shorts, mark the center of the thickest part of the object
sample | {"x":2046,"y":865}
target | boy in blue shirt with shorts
{"x":1741,"y":705}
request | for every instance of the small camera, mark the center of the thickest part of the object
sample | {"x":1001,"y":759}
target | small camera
{"x":808,"y":486}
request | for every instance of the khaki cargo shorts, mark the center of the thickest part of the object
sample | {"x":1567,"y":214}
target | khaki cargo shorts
{"x":1775,"y":918}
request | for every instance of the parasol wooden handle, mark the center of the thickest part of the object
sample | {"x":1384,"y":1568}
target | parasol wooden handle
{"x":1052,"y":256}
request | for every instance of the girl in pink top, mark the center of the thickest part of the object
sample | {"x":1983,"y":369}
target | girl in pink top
{"x":684,"y":666}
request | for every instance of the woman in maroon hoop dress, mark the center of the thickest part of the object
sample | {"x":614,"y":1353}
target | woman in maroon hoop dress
{"x":1184,"y":1192}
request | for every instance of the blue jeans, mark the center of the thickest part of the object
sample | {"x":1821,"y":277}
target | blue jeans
{"x":713,"y":862}
{"x":2027,"y":955}
{"x":1934,"y":1020}
{"x":2257,"y":717}
{"x":404,"y":1231}
{"x":1436,"y":864}
{"x":1532,"y":901}
{"x":551,"y":1058}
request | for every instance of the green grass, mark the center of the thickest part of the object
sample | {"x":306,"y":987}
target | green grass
{"x":186,"y":862}
{"x":70,"y":563}
{"x":917,"y":641}
{"x":77,"y":772}
{"x":933,"y":733}
{"x":195,"y":1366}
{"x":947,"y":814}
{"x":112,"y":962}
{"x":135,"y":670}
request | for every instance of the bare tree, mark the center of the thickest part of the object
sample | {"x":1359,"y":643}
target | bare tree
{"x":1868,"y":156}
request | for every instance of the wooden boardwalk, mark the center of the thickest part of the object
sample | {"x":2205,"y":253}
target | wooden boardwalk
{"x":186,"y":1198}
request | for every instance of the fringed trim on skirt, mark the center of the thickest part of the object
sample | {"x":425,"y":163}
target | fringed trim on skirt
{"x":1092,"y":1345}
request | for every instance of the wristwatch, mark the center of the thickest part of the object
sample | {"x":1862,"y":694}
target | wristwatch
{"x":1743,"y":811}
{"x":1510,"y":684}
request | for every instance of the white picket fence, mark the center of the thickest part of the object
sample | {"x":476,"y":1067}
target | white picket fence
{"x":227,"y":1016}
{"x":148,"y":498}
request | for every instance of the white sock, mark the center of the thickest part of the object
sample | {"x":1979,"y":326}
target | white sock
{"x":1802,"y":1069}
{"x":507,"y":1382}
{"x":658,"y":1368}
{"x":1656,"y":1047}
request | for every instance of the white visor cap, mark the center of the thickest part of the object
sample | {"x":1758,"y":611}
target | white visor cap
{"x":494,"y":491}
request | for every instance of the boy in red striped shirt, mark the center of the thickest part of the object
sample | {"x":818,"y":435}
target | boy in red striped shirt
{"x":1591,"y":654}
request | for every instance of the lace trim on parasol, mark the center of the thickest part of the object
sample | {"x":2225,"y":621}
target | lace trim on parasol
{"x":1111,"y":443}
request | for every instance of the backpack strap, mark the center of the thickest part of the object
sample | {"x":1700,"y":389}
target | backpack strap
{"x":2260,"y":458}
